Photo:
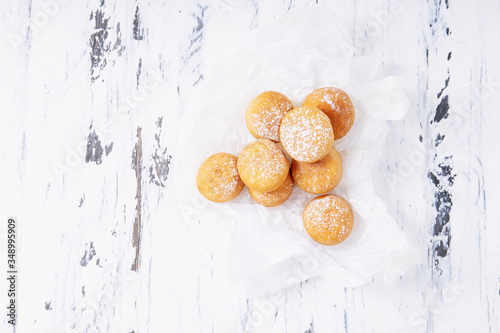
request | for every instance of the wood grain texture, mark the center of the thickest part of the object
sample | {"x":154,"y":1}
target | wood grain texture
{"x":93,"y":94}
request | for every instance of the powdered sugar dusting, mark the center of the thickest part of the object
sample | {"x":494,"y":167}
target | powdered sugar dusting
{"x":228,"y":179}
{"x":336,"y":98}
{"x":267,"y":123}
{"x":276,"y":197}
{"x":328,"y":219}
{"x":265,"y":114}
{"x":334,"y":95}
{"x":218,"y":178}
{"x":306,"y":134}
{"x":321,"y":176}
{"x":262,"y":165}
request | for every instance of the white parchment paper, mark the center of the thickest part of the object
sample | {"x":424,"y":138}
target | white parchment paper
{"x":268,"y":248}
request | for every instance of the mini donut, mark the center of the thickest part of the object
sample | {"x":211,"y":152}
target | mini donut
{"x":263,"y":166}
{"x":337,"y":105}
{"x":276,"y":197}
{"x":218,"y":179}
{"x":264,"y":114}
{"x":328,"y":219}
{"x":306,"y":134}
{"x":321,"y":176}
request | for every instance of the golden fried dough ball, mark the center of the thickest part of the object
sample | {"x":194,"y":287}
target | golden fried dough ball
{"x":306,"y":134}
{"x":263,"y":166}
{"x":321,"y":176}
{"x":218,"y":179}
{"x":264,"y":114}
{"x":276,"y":197}
{"x":337,"y":105}
{"x":328,"y":219}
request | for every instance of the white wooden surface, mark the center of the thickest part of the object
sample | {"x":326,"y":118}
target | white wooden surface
{"x":79,"y":173}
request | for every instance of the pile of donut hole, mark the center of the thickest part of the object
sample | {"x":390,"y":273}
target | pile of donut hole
{"x":306,"y":134}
